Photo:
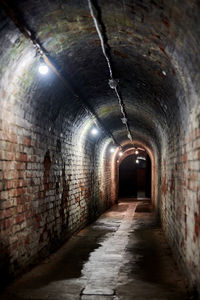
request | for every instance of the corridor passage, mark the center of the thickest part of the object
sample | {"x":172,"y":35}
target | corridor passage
{"x":123,"y":255}
{"x":99,"y":100}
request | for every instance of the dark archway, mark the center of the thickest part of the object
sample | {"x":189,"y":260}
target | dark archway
{"x":135,"y":176}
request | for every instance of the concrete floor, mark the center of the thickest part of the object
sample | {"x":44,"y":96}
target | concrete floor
{"x":123,"y":255}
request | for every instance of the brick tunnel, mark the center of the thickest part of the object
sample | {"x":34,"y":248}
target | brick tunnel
{"x":83,"y":86}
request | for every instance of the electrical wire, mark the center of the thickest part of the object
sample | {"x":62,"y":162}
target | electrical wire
{"x":113,"y":83}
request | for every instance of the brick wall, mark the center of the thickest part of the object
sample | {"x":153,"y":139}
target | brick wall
{"x":49,"y":188}
{"x":102,"y":175}
{"x":55,"y":177}
{"x":50,"y":175}
{"x":180,"y":204}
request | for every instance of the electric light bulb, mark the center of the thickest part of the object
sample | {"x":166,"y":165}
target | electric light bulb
{"x":120,"y":153}
{"x":43,"y":69}
{"x":112,"y":149}
{"x":137,"y":161}
{"x":94,"y":131}
{"x":136,"y":152}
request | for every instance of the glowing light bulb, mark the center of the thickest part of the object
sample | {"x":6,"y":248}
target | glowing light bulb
{"x":164,"y":73}
{"x":120,"y":153}
{"x":137,"y":161}
{"x":112,"y":149}
{"x":43,"y":69}
{"x":94,"y":131}
{"x":136,"y":152}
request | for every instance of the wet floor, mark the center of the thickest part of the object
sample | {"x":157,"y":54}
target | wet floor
{"x":123,"y":255}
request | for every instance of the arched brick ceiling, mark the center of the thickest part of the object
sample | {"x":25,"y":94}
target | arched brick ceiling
{"x":147,"y":40}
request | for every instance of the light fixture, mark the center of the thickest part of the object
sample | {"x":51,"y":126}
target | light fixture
{"x":137,"y":161}
{"x":136,"y":152}
{"x":141,"y":157}
{"x":112,"y":149}
{"x":120,"y":153}
{"x":43,"y":69}
{"x":94,"y":131}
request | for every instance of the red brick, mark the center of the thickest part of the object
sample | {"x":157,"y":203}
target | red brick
{"x":27,"y":141}
{"x":20,"y":218}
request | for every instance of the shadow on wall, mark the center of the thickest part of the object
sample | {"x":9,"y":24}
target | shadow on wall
{"x":4,"y":267}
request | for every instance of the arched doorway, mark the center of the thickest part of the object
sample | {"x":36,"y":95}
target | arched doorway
{"x":135,"y":176}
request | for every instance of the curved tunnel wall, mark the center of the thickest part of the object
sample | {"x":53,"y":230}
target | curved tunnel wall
{"x":50,"y":176}
{"x":55,"y":177}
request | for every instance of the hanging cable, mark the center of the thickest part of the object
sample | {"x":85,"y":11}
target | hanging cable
{"x":113,"y":83}
{"x":100,"y":37}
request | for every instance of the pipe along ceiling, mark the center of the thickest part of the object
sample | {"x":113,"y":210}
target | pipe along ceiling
{"x":145,"y":47}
